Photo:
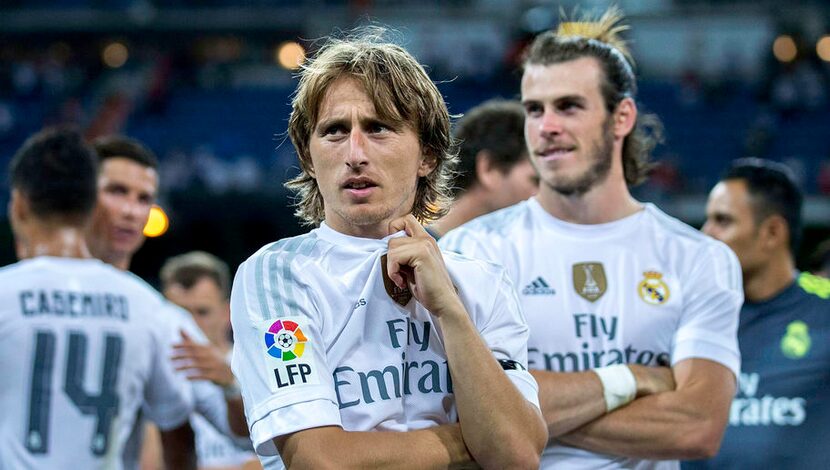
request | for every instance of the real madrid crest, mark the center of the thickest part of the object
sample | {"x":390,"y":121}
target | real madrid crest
{"x":652,"y":289}
{"x":401,"y":296}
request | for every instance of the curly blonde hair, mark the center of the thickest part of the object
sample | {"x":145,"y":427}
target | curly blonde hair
{"x":401,"y":92}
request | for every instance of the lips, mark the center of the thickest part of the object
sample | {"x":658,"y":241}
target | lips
{"x":124,"y":234}
{"x":359,"y":186}
{"x":554,"y":153}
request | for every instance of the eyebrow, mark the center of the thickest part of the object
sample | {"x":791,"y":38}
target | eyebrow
{"x":571,"y":98}
{"x":326,"y":123}
{"x":347,"y":123}
{"x":559,"y":99}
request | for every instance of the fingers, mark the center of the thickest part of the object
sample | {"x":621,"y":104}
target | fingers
{"x":410,"y":225}
{"x":185,"y":337}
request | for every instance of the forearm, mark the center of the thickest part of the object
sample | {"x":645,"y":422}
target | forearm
{"x":654,"y":427}
{"x":501,"y":428}
{"x":569,"y":399}
{"x":687,"y":423}
{"x":332,"y":447}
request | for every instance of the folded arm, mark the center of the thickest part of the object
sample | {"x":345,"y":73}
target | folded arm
{"x":572,"y":399}
{"x":687,"y":423}
{"x":500,"y":427}
{"x":332,"y":447}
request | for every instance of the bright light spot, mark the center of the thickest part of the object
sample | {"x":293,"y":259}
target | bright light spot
{"x":784,"y":48}
{"x":157,"y":223}
{"x":290,"y":55}
{"x":115,"y":55}
{"x":823,"y":48}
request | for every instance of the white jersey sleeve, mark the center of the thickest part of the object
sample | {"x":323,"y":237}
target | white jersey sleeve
{"x":168,"y":398}
{"x":709,"y":322}
{"x":467,"y":242}
{"x":209,"y":399}
{"x":504,"y":329}
{"x":278,"y":355}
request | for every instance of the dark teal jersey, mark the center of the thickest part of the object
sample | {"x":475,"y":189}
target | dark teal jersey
{"x":780,"y":417}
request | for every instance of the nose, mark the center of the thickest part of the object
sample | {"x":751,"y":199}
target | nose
{"x":707,"y":229}
{"x":132,"y":209}
{"x":550,"y":124}
{"x":357,"y":150}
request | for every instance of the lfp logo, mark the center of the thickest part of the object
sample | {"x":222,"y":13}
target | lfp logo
{"x":285,"y":340}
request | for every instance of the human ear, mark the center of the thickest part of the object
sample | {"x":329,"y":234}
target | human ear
{"x":625,"y":118}
{"x":428,"y":164}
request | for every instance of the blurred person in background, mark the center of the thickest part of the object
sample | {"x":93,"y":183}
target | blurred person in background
{"x":81,"y":341}
{"x":200,"y":283}
{"x":493,"y":170}
{"x":127,"y":189}
{"x":345,"y":337}
{"x":782,"y":407}
{"x":632,"y":314}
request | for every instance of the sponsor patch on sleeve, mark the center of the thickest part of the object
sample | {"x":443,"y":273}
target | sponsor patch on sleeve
{"x":288,"y":350}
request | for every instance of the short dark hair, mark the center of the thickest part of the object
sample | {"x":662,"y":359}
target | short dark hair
{"x":495,"y":126}
{"x":57,"y":172}
{"x":112,"y":146}
{"x":189,"y":268}
{"x":773,"y":189}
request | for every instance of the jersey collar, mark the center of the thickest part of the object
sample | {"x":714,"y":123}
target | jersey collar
{"x":367,"y":245}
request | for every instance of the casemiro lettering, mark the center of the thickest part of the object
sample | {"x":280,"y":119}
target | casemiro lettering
{"x":395,"y":380}
{"x":73,"y":304}
{"x":749,"y":410}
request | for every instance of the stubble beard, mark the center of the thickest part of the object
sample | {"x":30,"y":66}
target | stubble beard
{"x":600,"y":165}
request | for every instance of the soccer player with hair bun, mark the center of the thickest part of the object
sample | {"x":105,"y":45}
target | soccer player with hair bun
{"x":632,"y":314}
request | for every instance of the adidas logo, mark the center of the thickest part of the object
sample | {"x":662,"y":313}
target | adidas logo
{"x":538,"y":287}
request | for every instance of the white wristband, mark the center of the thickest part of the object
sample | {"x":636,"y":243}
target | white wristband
{"x":618,"y":385}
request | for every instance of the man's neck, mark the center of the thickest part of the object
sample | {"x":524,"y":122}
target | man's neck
{"x":769,"y":280}
{"x":605,"y":202}
{"x":118,"y":261}
{"x":464,"y":209}
{"x":62,"y":242}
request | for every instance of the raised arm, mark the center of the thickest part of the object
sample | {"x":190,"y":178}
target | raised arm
{"x":500,"y":427}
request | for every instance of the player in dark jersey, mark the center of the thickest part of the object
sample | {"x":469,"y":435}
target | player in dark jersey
{"x":782,"y":406}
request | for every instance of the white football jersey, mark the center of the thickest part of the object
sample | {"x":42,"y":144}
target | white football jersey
{"x":209,"y":404}
{"x":214,"y":449}
{"x":81,"y":349}
{"x":646,"y":289}
{"x":219,"y":449}
{"x":319,"y":340}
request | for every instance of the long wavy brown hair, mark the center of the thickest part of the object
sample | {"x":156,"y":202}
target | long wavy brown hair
{"x":401,"y":92}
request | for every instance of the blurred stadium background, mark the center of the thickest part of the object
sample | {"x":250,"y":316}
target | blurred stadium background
{"x":207,"y":84}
